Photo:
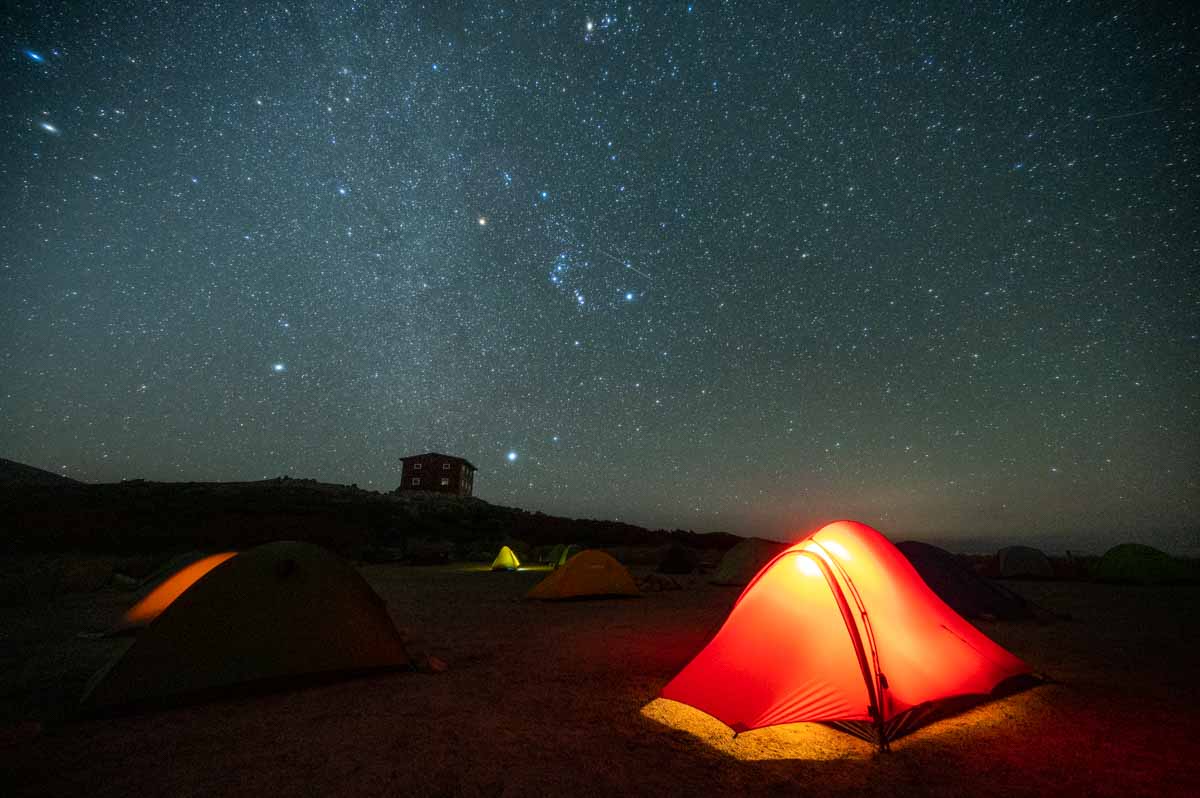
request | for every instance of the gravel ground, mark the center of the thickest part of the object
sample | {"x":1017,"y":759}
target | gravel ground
{"x":553,"y":699}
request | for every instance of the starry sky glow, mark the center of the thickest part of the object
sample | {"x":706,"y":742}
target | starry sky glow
{"x":717,"y":266}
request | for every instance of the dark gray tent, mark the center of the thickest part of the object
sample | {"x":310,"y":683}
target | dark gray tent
{"x":1023,"y":561}
{"x":967,"y":593}
{"x":678,"y":559}
{"x":743,"y":561}
{"x":1135,"y":563}
{"x":269,"y":615}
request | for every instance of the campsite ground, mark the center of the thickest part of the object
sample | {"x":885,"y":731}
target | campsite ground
{"x":551,"y":699}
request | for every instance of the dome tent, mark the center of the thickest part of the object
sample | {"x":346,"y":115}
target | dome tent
{"x":839,"y":628}
{"x":1023,"y":561}
{"x":271,"y":614}
{"x":678,"y":559}
{"x":506,"y":560}
{"x":1136,"y":563}
{"x":743,"y":561}
{"x":588,"y":573}
{"x":967,"y":593}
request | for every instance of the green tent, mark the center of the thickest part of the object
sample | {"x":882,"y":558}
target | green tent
{"x":567,"y":553}
{"x":1139,"y":564}
{"x":268,"y":616}
{"x":506,"y":560}
{"x":741,"y":563}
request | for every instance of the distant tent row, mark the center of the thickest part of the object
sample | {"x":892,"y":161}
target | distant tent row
{"x":274,"y":613}
{"x":973,"y":596}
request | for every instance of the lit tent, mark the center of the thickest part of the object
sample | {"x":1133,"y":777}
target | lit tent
{"x":743,"y":561}
{"x":1023,"y":561}
{"x":267,"y":616}
{"x":967,"y":593}
{"x":839,"y":628}
{"x":506,"y":560}
{"x":588,"y":573}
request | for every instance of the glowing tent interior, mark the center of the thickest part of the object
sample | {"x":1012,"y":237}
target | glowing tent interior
{"x":840,"y":629}
{"x":506,"y":560}
{"x":271,"y":614}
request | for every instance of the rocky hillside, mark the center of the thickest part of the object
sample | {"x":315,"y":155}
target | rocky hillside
{"x":136,"y":516}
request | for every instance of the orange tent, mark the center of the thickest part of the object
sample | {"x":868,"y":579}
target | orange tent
{"x":588,"y":573}
{"x":839,"y":628}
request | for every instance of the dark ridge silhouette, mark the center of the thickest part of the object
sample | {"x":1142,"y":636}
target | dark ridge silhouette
{"x":14,"y":473}
{"x":142,"y":516}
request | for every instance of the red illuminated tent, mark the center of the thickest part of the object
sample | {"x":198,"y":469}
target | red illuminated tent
{"x":840,"y":629}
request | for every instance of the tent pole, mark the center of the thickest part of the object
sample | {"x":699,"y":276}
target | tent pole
{"x":874,"y":708}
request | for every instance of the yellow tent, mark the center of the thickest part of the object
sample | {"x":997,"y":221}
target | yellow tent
{"x":506,"y":560}
{"x":588,"y":573}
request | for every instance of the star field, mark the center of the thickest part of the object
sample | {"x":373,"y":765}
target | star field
{"x":708,"y":265}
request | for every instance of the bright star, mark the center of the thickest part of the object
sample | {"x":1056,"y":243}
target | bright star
{"x":511,"y":457}
{"x":628,"y":296}
{"x":483,"y":221}
{"x":279,"y":368}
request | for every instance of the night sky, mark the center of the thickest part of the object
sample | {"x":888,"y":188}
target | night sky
{"x":747,"y":267}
